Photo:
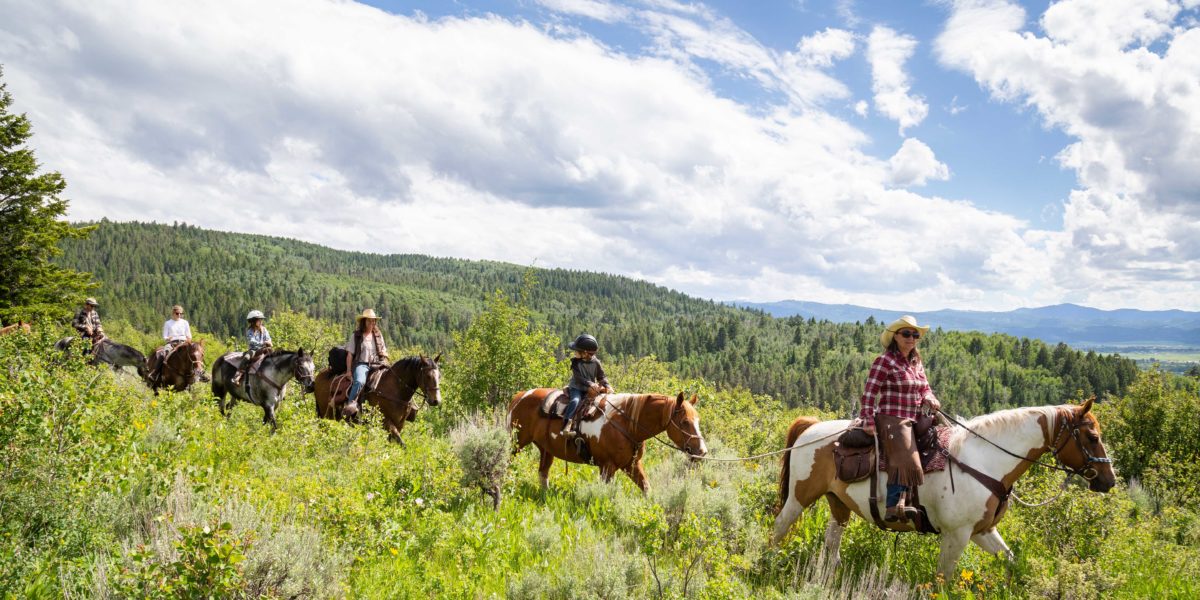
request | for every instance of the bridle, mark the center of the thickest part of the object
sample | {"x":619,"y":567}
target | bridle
{"x":298,"y":373}
{"x":410,"y":389}
{"x":1087,"y":471}
{"x":686,"y":449}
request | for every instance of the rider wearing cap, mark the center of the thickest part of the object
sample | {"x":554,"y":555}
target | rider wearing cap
{"x":87,"y":323}
{"x":587,"y":375}
{"x":258,"y":342}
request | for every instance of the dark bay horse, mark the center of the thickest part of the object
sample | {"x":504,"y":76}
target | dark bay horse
{"x":616,"y":439}
{"x":393,"y":395}
{"x":184,"y":366}
{"x":265,"y":387}
{"x":962,"y":508}
{"x":110,"y":353}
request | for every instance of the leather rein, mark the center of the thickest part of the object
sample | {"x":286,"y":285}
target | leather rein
{"x":408,"y":388}
{"x":1070,"y":425}
{"x":637,"y":425}
{"x":296,"y":373}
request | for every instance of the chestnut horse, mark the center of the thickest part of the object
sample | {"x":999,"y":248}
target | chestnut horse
{"x":961,"y":506}
{"x":15,"y":327}
{"x":393,"y":395}
{"x":616,"y":439}
{"x":184,"y":366}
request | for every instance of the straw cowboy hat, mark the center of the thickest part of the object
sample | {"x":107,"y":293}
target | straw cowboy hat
{"x":905,"y":322}
{"x":367,"y":314}
{"x":91,"y":301}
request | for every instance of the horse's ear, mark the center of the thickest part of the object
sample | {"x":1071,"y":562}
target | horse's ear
{"x":438,"y":358}
{"x":300,"y":352}
{"x":695,"y":399}
{"x":679,"y":400}
{"x":1087,"y":406}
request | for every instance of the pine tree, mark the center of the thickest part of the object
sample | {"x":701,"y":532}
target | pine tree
{"x":31,"y":286}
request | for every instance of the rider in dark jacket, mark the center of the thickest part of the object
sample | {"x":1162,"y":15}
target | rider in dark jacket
{"x":587,"y":375}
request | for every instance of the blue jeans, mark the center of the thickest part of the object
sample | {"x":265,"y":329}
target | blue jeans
{"x":893,"y":493}
{"x":573,"y":405}
{"x":360,"y":379}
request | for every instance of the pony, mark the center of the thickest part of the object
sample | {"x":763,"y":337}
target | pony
{"x":963,"y":507}
{"x":264,"y":387}
{"x":15,"y":327}
{"x":182,"y":367}
{"x":616,"y":439}
{"x":392,"y":395}
{"x":110,"y":353}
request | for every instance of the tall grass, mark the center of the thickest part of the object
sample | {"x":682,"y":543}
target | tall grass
{"x":103,"y":483}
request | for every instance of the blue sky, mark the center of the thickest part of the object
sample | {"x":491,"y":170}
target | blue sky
{"x":1003,"y":156}
{"x":972,"y":154}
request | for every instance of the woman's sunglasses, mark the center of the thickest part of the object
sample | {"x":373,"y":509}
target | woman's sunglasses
{"x":916,"y":335}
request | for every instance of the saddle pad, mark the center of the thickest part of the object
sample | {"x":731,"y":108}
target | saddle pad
{"x":233,"y":358}
{"x":555,"y":404}
{"x":932,"y":459}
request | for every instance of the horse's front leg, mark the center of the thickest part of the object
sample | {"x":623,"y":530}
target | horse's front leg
{"x":991,"y":542}
{"x":953,"y":542}
{"x":637,"y":473}
{"x":393,"y":430}
{"x":839,"y":516}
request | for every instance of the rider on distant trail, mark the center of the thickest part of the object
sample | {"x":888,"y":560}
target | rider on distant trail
{"x":176,"y":330}
{"x":258,"y":340}
{"x":587,"y":376}
{"x":87,"y":323}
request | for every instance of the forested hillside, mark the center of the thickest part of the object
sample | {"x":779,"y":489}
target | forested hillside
{"x":145,"y":268}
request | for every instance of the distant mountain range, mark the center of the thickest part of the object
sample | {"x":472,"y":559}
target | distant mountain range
{"x":1078,"y":326}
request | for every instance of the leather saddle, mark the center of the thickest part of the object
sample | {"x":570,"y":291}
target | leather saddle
{"x":854,"y":450}
{"x":555,"y":404}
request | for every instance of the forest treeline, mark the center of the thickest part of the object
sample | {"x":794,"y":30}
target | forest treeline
{"x":218,"y":276}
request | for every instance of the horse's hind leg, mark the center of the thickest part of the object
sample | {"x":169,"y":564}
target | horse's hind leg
{"x":792,"y":509}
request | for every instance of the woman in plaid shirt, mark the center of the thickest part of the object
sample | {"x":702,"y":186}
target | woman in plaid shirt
{"x":895,"y":392}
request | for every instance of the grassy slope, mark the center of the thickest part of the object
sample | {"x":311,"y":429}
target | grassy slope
{"x":95,"y":467}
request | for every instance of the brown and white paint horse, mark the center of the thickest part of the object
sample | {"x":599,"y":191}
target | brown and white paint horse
{"x":616,"y":439}
{"x":962,"y":508}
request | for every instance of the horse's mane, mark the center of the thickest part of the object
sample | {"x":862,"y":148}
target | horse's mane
{"x":999,"y":422}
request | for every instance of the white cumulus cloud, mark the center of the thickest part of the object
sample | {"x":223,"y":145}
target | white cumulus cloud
{"x":1123,"y":79}
{"x":914,"y":164}
{"x":887,"y":51}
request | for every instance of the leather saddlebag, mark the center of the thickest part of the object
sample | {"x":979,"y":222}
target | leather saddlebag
{"x":337,"y":360}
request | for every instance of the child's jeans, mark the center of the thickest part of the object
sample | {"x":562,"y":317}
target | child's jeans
{"x":573,"y":405}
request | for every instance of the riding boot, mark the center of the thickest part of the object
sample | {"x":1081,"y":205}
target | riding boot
{"x":237,"y":378}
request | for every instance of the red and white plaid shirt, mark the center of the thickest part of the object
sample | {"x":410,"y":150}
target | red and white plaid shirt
{"x":899,"y":384}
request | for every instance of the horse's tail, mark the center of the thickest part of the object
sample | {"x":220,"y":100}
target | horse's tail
{"x":798,"y":426}
{"x":512,"y":406}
